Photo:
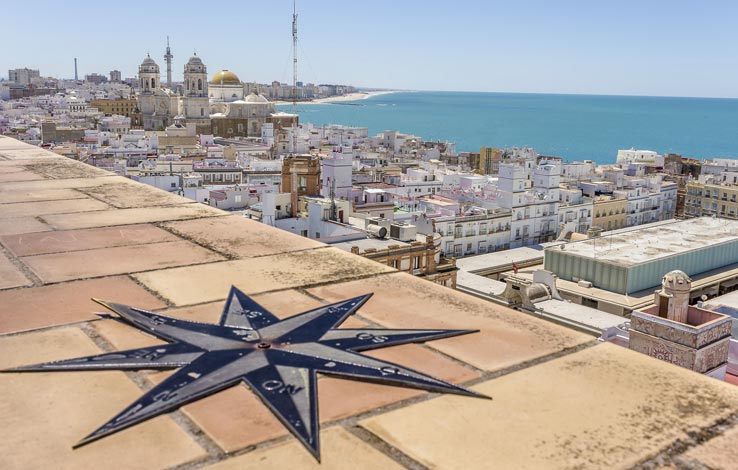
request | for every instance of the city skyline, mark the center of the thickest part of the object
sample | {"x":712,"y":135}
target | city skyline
{"x":658,"y":49}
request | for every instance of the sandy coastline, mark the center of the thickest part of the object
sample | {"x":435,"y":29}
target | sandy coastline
{"x":360,"y":95}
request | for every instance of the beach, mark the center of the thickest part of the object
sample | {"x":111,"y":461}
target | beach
{"x":359,"y":95}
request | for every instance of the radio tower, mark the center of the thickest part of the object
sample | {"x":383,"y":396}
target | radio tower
{"x":294,"y":57}
{"x":168,"y":59}
{"x":294,"y":75}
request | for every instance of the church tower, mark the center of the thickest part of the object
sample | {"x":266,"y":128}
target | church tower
{"x":148,"y":75}
{"x":195,"y":102}
{"x":153,"y":111}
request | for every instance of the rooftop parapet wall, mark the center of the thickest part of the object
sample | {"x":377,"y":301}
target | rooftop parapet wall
{"x":70,"y":232}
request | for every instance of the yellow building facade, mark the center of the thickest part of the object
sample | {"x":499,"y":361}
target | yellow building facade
{"x":609,"y":213}
{"x":720,"y":200}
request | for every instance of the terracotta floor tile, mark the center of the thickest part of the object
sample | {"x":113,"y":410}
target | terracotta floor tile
{"x":240,"y":237}
{"x":57,"y":267}
{"x":605,"y":407}
{"x":719,"y":453}
{"x":129,"y":193}
{"x":33,"y":209}
{"x":206,"y":283}
{"x":16,"y":168}
{"x":129,"y":216}
{"x":10,"y":275}
{"x":17,"y":225}
{"x":7,"y":197}
{"x":44,"y":414}
{"x":86,"y":239}
{"x":71,"y":183}
{"x":507,"y":337}
{"x":235,"y":418}
{"x":341,"y":398}
{"x":21,"y":152}
{"x":339,"y":450}
{"x":39,"y":307}
{"x":19,"y":176}
{"x":64,"y":168}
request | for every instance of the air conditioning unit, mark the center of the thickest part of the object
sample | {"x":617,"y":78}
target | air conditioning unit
{"x":403,"y":232}
{"x":377,"y":231}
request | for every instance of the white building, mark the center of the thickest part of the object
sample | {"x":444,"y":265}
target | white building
{"x":335,"y":173}
{"x":640,"y":156}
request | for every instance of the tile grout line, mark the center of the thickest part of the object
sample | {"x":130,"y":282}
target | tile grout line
{"x":673,"y":452}
{"x":384,"y":447}
{"x":26,"y":271}
{"x":145,"y":384}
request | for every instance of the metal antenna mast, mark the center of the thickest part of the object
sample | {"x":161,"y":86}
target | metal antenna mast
{"x":294,"y":75}
{"x":168,"y":59}
{"x":294,"y":56}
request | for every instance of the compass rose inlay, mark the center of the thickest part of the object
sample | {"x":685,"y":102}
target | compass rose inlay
{"x":277,"y":359}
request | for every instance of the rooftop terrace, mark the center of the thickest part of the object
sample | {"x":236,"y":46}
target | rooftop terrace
{"x":69,"y":232}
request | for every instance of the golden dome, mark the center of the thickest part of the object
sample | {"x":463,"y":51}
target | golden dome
{"x":225,"y":77}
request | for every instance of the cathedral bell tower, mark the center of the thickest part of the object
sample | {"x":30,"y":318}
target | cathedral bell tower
{"x":148,"y":75}
{"x":196,"y":103}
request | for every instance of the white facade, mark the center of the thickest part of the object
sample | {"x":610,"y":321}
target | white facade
{"x":335,"y":173}
{"x":640,"y":156}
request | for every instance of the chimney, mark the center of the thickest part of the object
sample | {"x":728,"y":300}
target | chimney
{"x":76,"y":77}
{"x":673,"y":298}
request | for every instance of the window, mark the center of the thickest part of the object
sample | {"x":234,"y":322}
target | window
{"x":317,"y":234}
{"x":416,"y":262}
{"x":199,"y":83}
{"x":304,"y":233}
{"x":174,"y":185}
{"x":393,"y":263}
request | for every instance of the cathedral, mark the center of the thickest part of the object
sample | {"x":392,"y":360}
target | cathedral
{"x":217,"y":107}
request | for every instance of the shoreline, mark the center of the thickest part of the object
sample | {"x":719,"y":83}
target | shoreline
{"x":359,"y":95}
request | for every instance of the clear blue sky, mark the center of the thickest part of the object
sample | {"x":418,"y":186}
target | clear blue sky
{"x":643,"y":47}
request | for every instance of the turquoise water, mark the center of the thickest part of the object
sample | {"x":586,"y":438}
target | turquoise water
{"x":575,"y":127}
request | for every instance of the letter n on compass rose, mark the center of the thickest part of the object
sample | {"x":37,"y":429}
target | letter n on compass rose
{"x":278,"y":359}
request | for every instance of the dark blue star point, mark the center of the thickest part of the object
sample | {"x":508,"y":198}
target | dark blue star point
{"x":278,"y":359}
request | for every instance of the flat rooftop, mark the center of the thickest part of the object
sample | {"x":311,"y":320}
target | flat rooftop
{"x":652,"y":243}
{"x":500,"y":259}
{"x":363,"y":244}
{"x":69,"y":232}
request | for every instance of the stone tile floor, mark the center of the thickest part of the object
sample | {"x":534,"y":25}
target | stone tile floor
{"x":69,"y":232}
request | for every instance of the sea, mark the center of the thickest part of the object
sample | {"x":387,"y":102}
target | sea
{"x":575,"y":127}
